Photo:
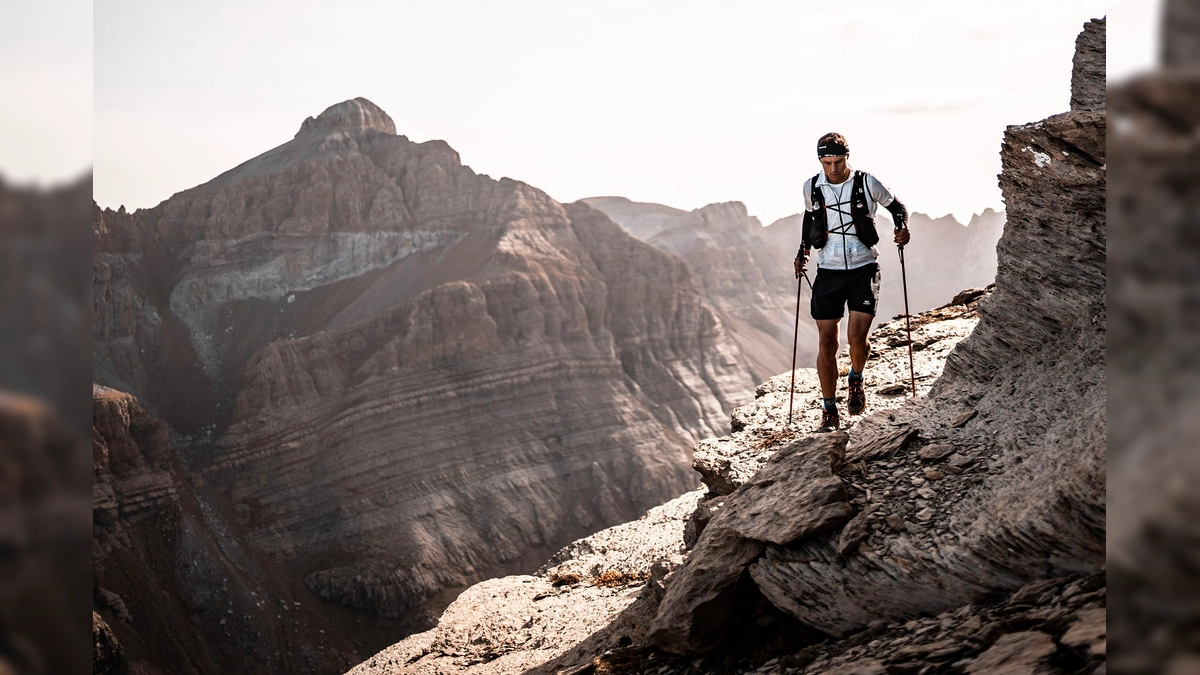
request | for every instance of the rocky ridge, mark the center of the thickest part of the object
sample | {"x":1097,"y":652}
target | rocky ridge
{"x":963,"y":531}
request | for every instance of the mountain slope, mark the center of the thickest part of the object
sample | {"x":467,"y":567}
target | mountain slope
{"x":393,"y":376}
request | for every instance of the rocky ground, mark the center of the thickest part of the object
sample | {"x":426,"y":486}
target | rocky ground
{"x":590,"y":607}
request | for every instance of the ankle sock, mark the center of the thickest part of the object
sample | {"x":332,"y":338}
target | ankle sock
{"x":855,"y":375}
{"x":829,"y":403}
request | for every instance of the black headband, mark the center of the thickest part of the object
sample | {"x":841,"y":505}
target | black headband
{"x":832,"y":149}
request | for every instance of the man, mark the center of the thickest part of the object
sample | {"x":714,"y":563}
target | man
{"x":839,"y":221}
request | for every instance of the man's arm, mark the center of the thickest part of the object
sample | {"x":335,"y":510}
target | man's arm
{"x":900,"y":219}
{"x":887,"y":200}
{"x":800,"y":261}
{"x":899,"y":213}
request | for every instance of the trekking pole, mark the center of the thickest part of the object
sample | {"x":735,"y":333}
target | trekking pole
{"x":907,"y":323}
{"x":795,"y":342}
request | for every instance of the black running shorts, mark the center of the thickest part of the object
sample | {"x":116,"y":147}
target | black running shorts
{"x":834,"y":289}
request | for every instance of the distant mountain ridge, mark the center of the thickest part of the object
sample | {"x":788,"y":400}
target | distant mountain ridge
{"x":745,"y":270}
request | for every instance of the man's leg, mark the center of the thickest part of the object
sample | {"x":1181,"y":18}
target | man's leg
{"x":827,"y":370}
{"x":857,"y":331}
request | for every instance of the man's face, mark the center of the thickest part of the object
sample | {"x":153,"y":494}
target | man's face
{"x":837,"y":169}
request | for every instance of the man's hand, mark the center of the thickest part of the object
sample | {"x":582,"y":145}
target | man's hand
{"x":902,"y":236}
{"x":800,"y":261}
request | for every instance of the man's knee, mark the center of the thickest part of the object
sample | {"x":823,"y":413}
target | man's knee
{"x":829,"y":341}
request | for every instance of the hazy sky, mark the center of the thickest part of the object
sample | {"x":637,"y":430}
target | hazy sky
{"x":46,"y":77}
{"x":681,"y":103}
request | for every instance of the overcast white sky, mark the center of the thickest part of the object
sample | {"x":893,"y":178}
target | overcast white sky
{"x":681,"y":103}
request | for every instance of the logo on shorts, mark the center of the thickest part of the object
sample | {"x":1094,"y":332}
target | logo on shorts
{"x":867,"y":302}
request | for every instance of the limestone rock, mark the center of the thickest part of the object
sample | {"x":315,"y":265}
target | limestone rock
{"x":1017,"y":654}
{"x":936,"y":452}
{"x":156,"y":533}
{"x":630,"y":549}
{"x":513,"y":624}
{"x":355,"y":115}
{"x":956,"y":639}
{"x":706,"y":591}
{"x":855,"y":533}
{"x":1088,"y":82}
{"x":797,"y":494}
{"x":1088,"y":632}
{"x":960,"y":420}
{"x":882,"y":445}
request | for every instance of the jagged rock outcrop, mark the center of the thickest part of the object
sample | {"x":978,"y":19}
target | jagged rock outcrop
{"x":406,"y":376}
{"x":1088,"y":85}
{"x":108,"y":657}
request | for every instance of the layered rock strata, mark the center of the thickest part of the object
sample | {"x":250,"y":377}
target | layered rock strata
{"x":1088,"y":81}
{"x":402,"y":375}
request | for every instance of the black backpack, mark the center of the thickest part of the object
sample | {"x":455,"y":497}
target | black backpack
{"x":816,"y":222}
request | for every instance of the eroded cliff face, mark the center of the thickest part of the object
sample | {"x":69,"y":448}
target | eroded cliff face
{"x":396,"y":376}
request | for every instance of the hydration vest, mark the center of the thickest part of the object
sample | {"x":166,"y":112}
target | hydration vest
{"x":816,"y":222}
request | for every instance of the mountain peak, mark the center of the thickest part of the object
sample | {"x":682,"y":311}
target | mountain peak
{"x":357,"y":114}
